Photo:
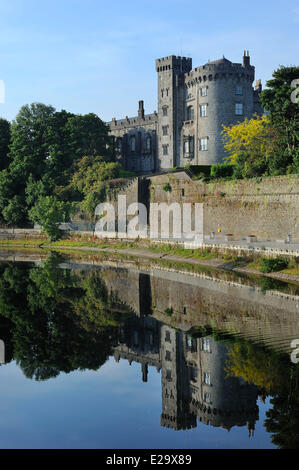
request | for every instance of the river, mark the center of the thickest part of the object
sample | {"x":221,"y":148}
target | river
{"x":110,"y":353}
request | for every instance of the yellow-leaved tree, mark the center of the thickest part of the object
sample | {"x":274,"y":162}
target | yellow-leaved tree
{"x":249,"y":145}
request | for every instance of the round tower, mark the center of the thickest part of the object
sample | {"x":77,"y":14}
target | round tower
{"x":216,"y":94}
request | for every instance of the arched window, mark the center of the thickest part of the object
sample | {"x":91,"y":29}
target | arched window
{"x":190,"y":113}
{"x":119,"y":144}
{"x":148,"y":143}
{"x":132,"y":143}
{"x":188,"y":146}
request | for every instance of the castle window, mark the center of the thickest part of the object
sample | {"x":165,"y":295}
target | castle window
{"x":203,"y":91}
{"x":239,"y":109}
{"x":165,"y":149}
{"x":119,"y":144}
{"x":207,"y":378}
{"x":188,"y":146}
{"x":167,"y":90}
{"x":165,"y":110}
{"x":239,"y":90}
{"x":150,"y":339}
{"x":191,"y":344}
{"x":165,"y":130}
{"x":203,"y":143}
{"x":203,"y":110}
{"x":206,"y":346}
{"x":136,"y":338}
{"x":162,"y":92}
{"x":167,"y":336}
{"x":148,"y":144}
{"x":168,"y":356}
{"x":133,"y":143}
{"x":207,"y":397}
{"x":190,"y":113}
{"x":168,"y":374}
{"x":193,"y":373}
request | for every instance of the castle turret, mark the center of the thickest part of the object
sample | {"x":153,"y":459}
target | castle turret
{"x":216,"y":94}
{"x":171,"y":71}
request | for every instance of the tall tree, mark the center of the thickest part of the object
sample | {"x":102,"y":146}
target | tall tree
{"x":45,"y":147}
{"x":284,"y":117}
{"x":4,"y":143}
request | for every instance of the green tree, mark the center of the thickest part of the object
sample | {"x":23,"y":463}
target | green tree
{"x":91,"y":180}
{"x":49,"y":213}
{"x":4,"y":143}
{"x":45,"y":147}
{"x":284,"y":118}
{"x":28,"y":154}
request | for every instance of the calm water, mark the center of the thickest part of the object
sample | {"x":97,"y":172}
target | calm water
{"x":103,"y":354}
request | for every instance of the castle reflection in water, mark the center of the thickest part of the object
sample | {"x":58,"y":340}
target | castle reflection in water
{"x":195,"y":384}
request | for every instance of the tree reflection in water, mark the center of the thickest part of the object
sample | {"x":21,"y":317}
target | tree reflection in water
{"x":275,"y":376}
{"x":61,"y":320}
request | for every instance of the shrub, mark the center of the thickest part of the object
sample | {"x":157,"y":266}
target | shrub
{"x":268,"y":265}
{"x":167,"y":187}
{"x":168,"y":311}
{"x":199,"y":170}
{"x":49,"y":213}
{"x":222,"y":170}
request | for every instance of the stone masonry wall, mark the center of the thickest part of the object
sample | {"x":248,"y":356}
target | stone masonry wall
{"x":267,"y":208}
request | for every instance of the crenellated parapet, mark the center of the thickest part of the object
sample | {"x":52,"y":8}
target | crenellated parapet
{"x":118,"y":124}
{"x":175,"y":63}
{"x":221,"y":69}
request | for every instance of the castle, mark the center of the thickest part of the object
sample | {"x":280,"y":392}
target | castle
{"x":192,"y":107}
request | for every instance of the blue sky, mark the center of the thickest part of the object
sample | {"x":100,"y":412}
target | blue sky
{"x":98,"y":56}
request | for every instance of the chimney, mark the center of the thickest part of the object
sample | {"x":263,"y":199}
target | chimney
{"x":258,"y":86}
{"x":144,"y":369}
{"x":141,"y":110}
{"x":246,"y":59}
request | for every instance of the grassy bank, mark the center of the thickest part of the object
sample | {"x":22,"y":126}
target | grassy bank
{"x":168,"y":254}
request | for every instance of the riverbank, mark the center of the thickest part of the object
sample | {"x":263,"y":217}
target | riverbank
{"x":214,"y":258}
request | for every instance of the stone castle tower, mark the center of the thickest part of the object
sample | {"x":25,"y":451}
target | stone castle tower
{"x":193,"y":105}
